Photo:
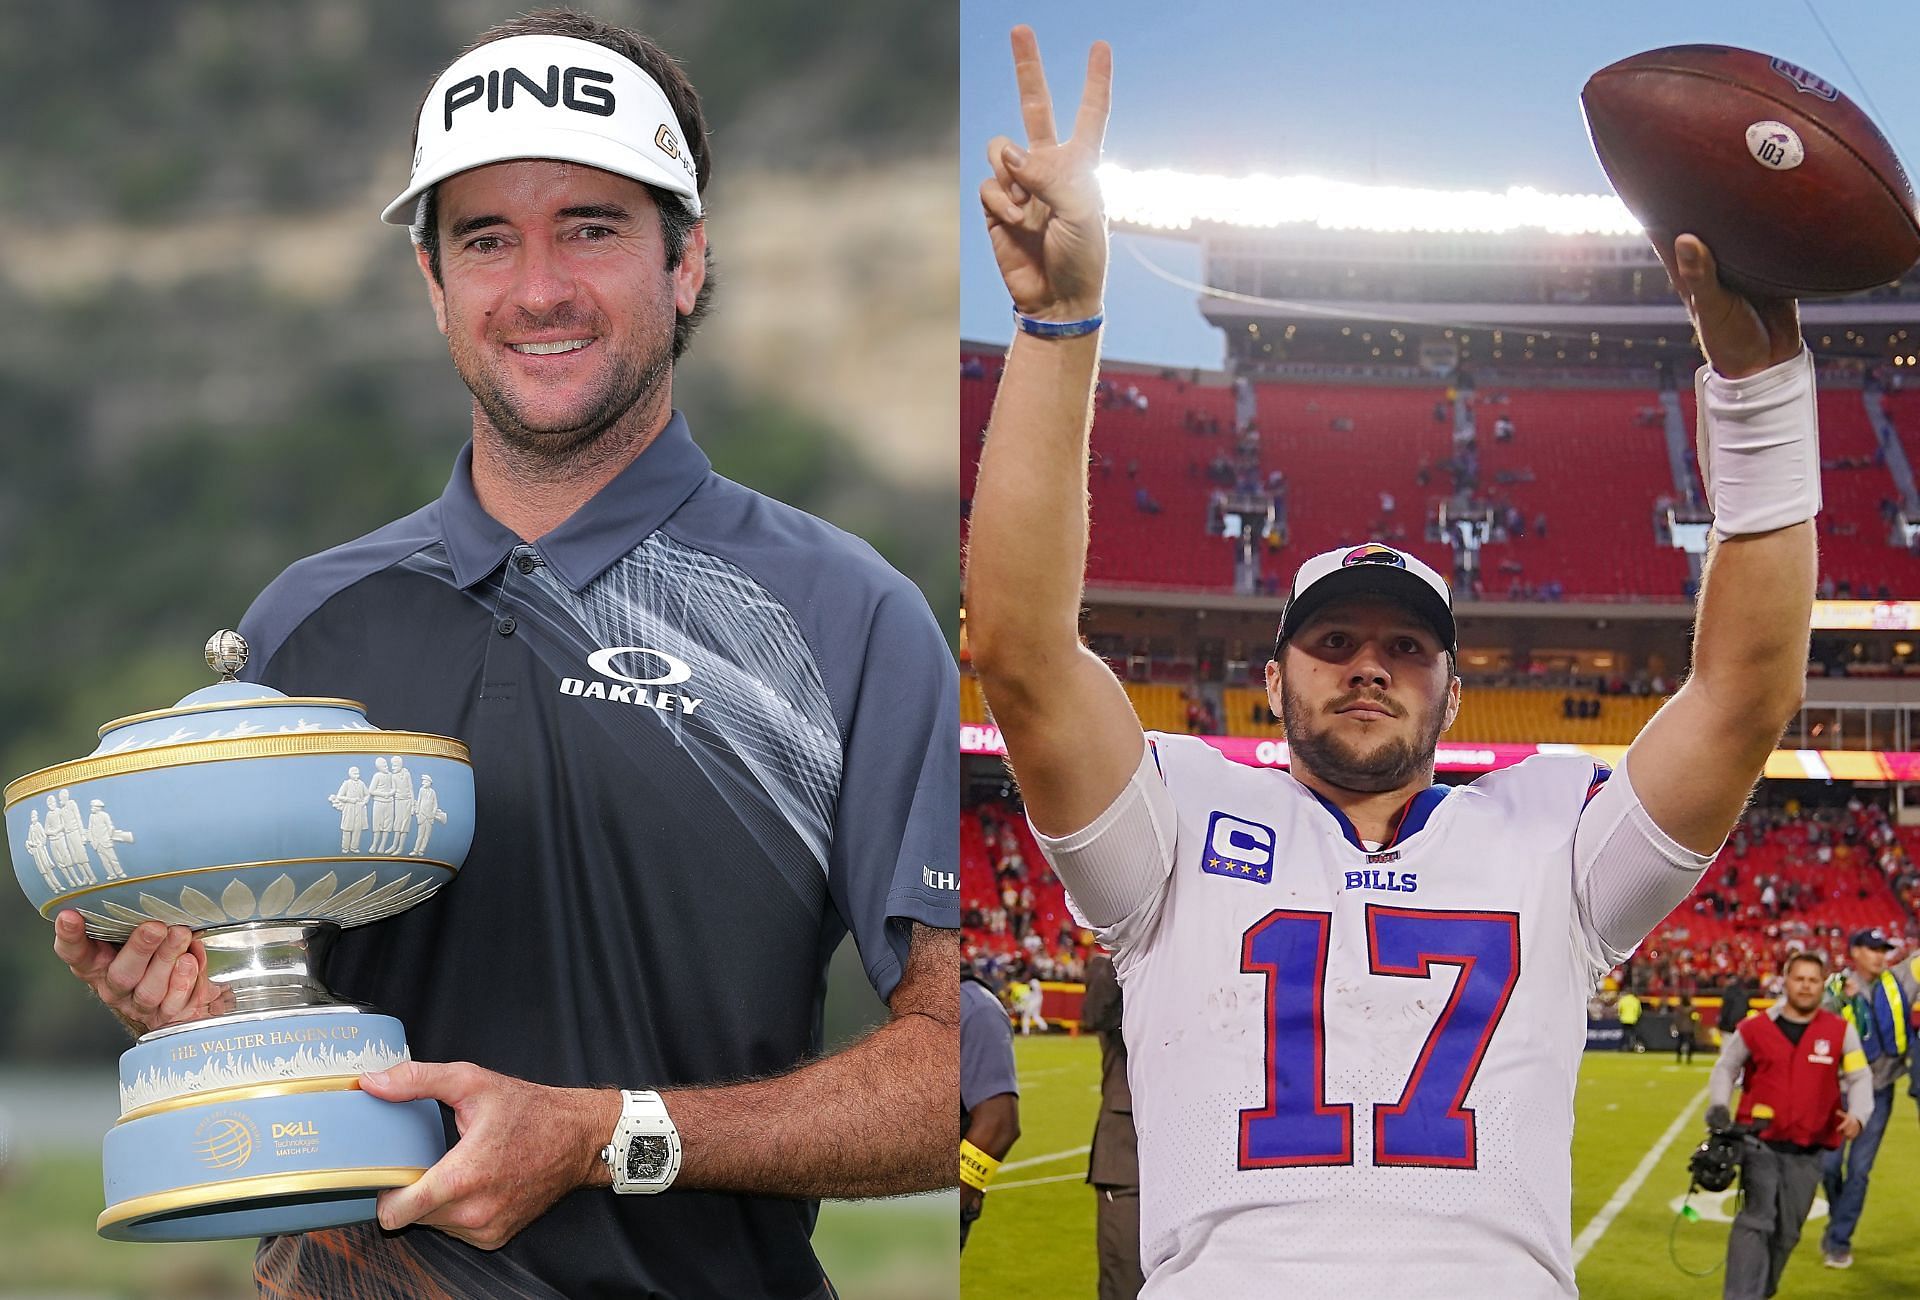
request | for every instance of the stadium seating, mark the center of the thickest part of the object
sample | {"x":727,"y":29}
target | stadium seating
{"x":1597,"y":470}
{"x":973,"y":705}
{"x":1517,"y":715}
{"x":1336,"y":476}
{"x":1136,"y":449}
{"x":1529,"y":716}
{"x":1721,"y":927}
{"x":986,"y":869}
{"x":1853,"y":536}
{"x":1597,"y":473}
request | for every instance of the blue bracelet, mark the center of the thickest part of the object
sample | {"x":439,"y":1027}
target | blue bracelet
{"x":1058,"y":329}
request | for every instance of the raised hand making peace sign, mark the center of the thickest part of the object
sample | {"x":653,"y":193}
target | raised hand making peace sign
{"x":1042,"y":202}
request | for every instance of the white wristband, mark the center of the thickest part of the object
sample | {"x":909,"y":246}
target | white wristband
{"x":1759,"y":444}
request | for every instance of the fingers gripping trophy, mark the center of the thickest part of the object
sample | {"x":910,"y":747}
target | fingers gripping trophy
{"x":229,"y":836}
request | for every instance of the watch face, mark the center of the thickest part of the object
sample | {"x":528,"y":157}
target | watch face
{"x":647,"y":1158}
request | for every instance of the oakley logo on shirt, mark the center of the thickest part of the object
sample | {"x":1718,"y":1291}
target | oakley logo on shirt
{"x":632,"y":689}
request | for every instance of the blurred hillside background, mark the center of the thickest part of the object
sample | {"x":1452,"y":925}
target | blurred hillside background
{"x":214,"y":360}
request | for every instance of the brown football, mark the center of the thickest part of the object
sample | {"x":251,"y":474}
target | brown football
{"x":1791,"y":185}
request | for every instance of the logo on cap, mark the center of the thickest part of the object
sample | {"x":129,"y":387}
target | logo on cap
{"x":664,"y":140}
{"x":1373,"y":553}
{"x":572,"y":88}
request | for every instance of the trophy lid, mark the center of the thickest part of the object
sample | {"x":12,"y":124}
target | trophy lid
{"x":240,"y":805}
{"x":227,"y":655}
{"x":229,"y":711}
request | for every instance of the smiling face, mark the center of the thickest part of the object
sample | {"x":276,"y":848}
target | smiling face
{"x":558,"y":303}
{"x":1365,"y":689}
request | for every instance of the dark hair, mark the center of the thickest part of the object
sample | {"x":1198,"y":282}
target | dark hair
{"x":676,"y":223}
{"x":1811,"y":957}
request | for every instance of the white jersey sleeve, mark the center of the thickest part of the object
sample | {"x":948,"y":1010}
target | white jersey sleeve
{"x":1115,"y":869}
{"x":1628,"y":873}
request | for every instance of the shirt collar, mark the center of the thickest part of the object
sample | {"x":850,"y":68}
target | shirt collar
{"x":1408,"y":822}
{"x":634,"y":503}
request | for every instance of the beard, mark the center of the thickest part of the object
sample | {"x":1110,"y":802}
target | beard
{"x":631,"y":381}
{"x":1333,"y":759}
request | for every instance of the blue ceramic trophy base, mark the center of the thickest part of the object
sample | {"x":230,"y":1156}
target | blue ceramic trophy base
{"x":254,"y":1124}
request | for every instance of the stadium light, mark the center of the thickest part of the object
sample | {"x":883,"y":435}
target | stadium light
{"x":1170,"y":200}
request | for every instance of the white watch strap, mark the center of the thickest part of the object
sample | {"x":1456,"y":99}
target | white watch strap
{"x":643,"y":1115}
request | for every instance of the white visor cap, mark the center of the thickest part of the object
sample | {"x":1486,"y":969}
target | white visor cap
{"x":1370,"y":569}
{"x":547,"y":97}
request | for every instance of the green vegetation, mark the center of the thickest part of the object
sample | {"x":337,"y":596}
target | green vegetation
{"x":873,"y":1250}
{"x":140,"y":111}
{"x":1036,"y":1238}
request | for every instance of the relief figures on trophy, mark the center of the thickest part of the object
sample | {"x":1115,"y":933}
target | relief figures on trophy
{"x":388,"y":807}
{"x":58,"y":845}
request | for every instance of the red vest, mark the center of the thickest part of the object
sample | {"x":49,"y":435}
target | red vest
{"x":1801,"y":1083}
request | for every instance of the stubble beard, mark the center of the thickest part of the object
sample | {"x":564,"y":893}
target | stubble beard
{"x":1332,"y":759}
{"x":615,"y":416}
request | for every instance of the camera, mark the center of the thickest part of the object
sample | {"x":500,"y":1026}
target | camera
{"x":1715,"y":1161}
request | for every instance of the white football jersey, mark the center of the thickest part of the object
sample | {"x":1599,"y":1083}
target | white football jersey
{"x":1350,"y":1066}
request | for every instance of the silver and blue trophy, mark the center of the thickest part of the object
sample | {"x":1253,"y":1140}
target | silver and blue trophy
{"x":266,"y":823}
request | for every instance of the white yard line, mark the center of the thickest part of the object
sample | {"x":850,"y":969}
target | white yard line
{"x":999,"y":1187}
{"x":1047,"y":1159}
{"x":1597,"y":1226}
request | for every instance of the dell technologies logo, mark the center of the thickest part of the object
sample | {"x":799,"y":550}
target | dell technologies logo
{"x":626,"y":688}
{"x":562,"y":86}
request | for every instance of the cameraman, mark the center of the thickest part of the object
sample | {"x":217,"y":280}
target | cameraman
{"x":1792,"y":1060}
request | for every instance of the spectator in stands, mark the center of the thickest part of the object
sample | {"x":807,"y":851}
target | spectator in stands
{"x":1791,"y":1064}
{"x":989,"y":1095}
{"x":1113,"y":1164}
{"x":1879,"y":1003}
{"x":1143,"y":501}
{"x":1503,"y":428}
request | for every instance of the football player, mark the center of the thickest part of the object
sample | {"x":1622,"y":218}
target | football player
{"x":1354,"y":998}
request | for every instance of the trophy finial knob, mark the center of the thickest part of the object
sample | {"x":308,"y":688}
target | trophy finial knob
{"x":226,"y":653}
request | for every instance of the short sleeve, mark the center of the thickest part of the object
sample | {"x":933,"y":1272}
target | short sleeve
{"x":986,"y":1047}
{"x":896,"y":854}
{"x":1116,"y":868}
{"x":1628,"y":873}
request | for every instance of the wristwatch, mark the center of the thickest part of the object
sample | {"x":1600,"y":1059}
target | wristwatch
{"x":644,"y":1156}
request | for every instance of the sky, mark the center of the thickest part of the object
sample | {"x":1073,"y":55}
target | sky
{"x":1474,"y":94}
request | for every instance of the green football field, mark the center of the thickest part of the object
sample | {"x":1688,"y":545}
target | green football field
{"x":1036,"y":1237}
